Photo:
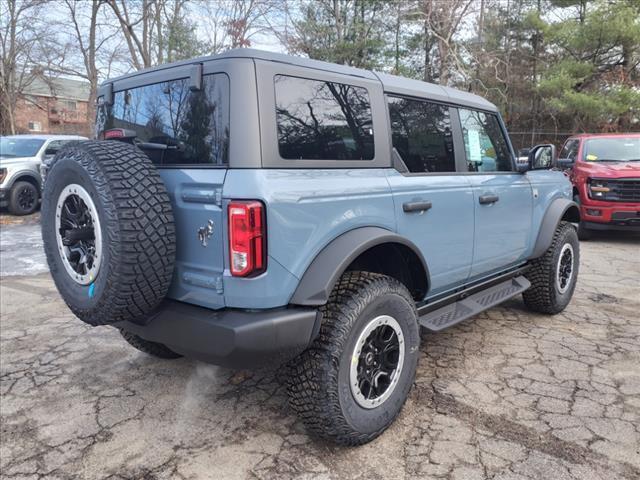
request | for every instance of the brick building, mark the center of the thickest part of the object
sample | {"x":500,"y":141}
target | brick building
{"x":54,"y":106}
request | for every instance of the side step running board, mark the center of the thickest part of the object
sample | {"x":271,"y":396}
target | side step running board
{"x":456,"y":312}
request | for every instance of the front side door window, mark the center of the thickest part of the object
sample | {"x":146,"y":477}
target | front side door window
{"x":485,"y":145}
{"x":503,"y":198}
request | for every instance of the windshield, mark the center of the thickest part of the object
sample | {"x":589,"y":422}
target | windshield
{"x":19,"y":147}
{"x":618,"y":149}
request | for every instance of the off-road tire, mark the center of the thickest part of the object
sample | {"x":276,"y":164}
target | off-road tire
{"x":318,"y":384}
{"x":22,"y":188}
{"x":150,"y":348}
{"x":137,"y":227}
{"x":543,"y":296}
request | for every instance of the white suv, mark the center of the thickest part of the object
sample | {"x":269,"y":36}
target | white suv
{"x":20,"y":160}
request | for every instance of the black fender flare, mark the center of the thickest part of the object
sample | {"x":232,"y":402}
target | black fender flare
{"x":326,"y":268}
{"x":560,"y":209}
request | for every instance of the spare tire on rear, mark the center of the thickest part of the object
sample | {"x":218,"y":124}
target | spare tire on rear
{"x":108,"y":231}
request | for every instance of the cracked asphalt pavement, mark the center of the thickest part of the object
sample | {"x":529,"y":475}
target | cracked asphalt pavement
{"x":506,"y":395}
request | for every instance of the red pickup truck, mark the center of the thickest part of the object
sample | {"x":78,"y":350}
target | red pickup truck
{"x":605,"y":172}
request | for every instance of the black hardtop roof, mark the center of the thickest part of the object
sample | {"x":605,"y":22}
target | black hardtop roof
{"x":391,"y":83}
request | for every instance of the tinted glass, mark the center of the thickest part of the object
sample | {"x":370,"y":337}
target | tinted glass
{"x":569,"y":150}
{"x":173,"y":125}
{"x":421,"y":133}
{"x":19,"y":147}
{"x":55,"y":146}
{"x":323,"y":120}
{"x":484,"y":143}
{"x":619,"y":149}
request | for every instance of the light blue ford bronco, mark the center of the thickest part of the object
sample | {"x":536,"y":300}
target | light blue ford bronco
{"x":253,"y":208}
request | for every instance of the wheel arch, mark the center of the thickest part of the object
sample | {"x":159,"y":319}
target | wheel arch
{"x":561,"y":209}
{"x":367,"y":248}
{"x":26,"y":176}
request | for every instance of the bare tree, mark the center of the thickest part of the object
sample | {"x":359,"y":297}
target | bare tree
{"x":90,"y":39}
{"x":156,"y":31}
{"x":20,"y":35}
{"x":442,"y":21}
{"x":234,"y":24}
{"x":138,"y":28}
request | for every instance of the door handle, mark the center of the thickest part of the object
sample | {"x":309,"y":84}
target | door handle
{"x":492,"y":198}
{"x":416,"y":206}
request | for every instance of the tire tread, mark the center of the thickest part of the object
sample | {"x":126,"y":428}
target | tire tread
{"x":140,"y":230}
{"x":541,"y":296}
{"x":312,"y":382}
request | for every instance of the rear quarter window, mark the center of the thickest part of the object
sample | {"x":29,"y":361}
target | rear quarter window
{"x":321,"y":120}
{"x":174,"y":125}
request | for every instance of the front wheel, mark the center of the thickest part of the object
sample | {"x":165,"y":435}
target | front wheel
{"x":23,"y":198}
{"x":553,"y":276}
{"x":351,"y":384}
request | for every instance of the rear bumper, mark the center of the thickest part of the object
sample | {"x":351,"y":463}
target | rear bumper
{"x":611,"y":217}
{"x":229,"y":337}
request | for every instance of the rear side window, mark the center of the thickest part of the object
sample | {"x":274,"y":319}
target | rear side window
{"x":320,"y":120}
{"x":174,"y":125}
{"x":421,"y":133}
{"x":484,"y":143}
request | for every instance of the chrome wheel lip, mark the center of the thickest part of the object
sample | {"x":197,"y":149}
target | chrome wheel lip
{"x":561,"y":276}
{"x":90,"y":276}
{"x":360,"y":399}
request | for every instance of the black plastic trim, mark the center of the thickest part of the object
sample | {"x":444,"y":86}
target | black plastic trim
{"x":469,"y":289}
{"x":229,"y":337}
{"x":323,"y":272}
{"x":619,"y":225}
{"x":552,"y":217}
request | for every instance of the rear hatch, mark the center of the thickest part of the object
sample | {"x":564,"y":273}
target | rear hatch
{"x":196,"y":198}
{"x":185,"y":133}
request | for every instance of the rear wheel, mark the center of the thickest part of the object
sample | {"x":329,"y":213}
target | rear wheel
{"x":352,"y":382}
{"x":23,"y":198}
{"x":150,"y":348}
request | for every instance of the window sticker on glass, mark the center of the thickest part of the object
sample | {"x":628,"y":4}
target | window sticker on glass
{"x":475,"y":152}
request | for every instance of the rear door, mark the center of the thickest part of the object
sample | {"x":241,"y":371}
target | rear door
{"x":186,"y":135}
{"x":503,"y":198}
{"x":434,"y":205}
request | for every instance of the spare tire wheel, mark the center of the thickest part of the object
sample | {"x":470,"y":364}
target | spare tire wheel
{"x":108,"y":231}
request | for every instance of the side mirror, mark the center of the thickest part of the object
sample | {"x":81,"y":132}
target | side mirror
{"x":565,"y":163}
{"x":50,"y":152}
{"x":541,"y":156}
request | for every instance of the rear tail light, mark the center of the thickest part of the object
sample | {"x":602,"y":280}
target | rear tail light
{"x":119,"y":134}
{"x":247,"y":238}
